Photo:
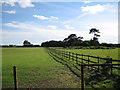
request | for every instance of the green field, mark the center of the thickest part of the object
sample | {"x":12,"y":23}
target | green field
{"x":112,"y":53}
{"x":92,"y":79}
{"x":35,"y":69}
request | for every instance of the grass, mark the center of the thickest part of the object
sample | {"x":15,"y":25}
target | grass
{"x":35,"y":69}
{"x":112,"y":53}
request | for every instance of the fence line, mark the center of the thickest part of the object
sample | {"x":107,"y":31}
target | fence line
{"x":81,"y":58}
{"x":81,"y":61}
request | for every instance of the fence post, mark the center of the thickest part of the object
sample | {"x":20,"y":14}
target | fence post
{"x":64,"y":54}
{"x":98,"y":63}
{"x":82,"y":58}
{"x":88,"y":62}
{"x":76,"y":59}
{"x":111,"y":65}
{"x":15,"y":77}
{"x":69,"y":55}
{"x":82,"y":77}
{"x":73,"y":56}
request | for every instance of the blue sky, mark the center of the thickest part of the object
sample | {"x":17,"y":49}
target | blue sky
{"x":43,"y":21}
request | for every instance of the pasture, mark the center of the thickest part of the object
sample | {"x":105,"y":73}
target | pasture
{"x":112,"y":53}
{"x":75,"y":57}
{"x":35,"y":69}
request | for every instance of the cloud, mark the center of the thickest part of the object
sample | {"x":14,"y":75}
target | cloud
{"x":10,"y":12}
{"x":22,"y":3}
{"x":68,"y":27}
{"x":11,"y":25}
{"x":113,"y":11}
{"x":34,"y":33}
{"x":52,"y":18}
{"x":52,"y":27}
{"x":37,"y":34}
{"x":25,"y":3}
{"x":87,"y":2}
{"x":45,"y":18}
{"x":9,"y":2}
{"x":14,"y":22}
{"x":40,"y":17}
{"x":95,"y":8}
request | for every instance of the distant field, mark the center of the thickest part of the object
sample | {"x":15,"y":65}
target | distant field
{"x":35,"y":69}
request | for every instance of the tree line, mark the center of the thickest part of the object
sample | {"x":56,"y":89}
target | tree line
{"x":71,"y":40}
{"x":74,"y":40}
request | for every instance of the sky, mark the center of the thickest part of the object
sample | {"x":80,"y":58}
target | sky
{"x":38,"y":22}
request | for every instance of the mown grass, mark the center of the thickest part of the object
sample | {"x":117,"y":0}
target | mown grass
{"x":35,"y":69}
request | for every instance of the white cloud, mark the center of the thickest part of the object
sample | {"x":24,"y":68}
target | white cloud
{"x":52,"y":18}
{"x":68,"y":27}
{"x":11,"y":25}
{"x":95,"y":8}
{"x":34,"y":32}
{"x":25,"y":3}
{"x":45,"y":18}
{"x":14,"y":22}
{"x":113,"y":11}
{"x":87,"y":2}
{"x":40,"y":17}
{"x":9,"y":2}
{"x":52,"y":27}
{"x":22,"y":3}
{"x":10,"y":12}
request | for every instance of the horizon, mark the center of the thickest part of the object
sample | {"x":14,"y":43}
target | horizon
{"x":38,"y":22}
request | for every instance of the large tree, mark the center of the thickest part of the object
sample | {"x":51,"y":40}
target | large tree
{"x":72,"y":40}
{"x":26,"y":42}
{"x":95,"y":32}
{"x":94,"y":41}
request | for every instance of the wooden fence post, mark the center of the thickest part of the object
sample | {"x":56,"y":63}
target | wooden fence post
{"x":64,"y":54}
{"x":69,"y":55}
{"x":76,"y":58}
{"x":98,"y":63}
{"x":15,"y":77}
{"x":111,"y":65}
{"x":73,"y":56}
{"x":82,"y":58}
{"x":82,"y":77}
{"x":88,"y":62}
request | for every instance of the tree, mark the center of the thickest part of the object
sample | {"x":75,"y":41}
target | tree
{"x":94,"y":41}
{"x":72,"y":40}
{"x":27,"y":43}
{"x":94,"y":30}
{"x":80,"y":38}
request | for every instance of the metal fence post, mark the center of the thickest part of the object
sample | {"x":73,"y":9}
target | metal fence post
{"x":15,"y":77}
